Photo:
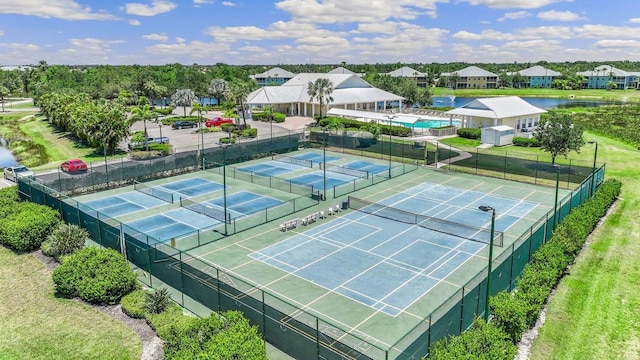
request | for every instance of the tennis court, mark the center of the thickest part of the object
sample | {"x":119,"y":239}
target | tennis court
{"x":316,"y":179}
{"x":124,"y":203}
{"x":381,"y":260}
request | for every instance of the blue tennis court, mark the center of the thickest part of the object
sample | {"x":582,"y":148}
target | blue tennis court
{"x":191,"y":187}
{"x":245,"y":203}
{"x":316,"y":179}
{"x":366,"y":166}
{"x":122,"y":204}
{"x":272,"y":168}
{"x":172,"y":224}
{"x":316,"y":158}
{"x":387,"y":264}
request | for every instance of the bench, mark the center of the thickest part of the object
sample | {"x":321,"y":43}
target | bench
{"x":309,"y":219}
{"x":288,"y":225}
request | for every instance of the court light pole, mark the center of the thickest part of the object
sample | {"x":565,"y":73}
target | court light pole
{"x":593,"y":171}
{"x":324,"y":163}
{"x":224,"y":185}
{"x":389,"y":117}
{"x":555,"y":204}
{"x":487,"y":309}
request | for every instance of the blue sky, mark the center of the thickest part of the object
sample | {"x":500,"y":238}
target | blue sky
{"x":316,"y":31}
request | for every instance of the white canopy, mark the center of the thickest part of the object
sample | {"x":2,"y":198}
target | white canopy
{"x":366,"y":116}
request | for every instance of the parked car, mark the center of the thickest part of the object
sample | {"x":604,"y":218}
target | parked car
{"x":73,"y":165}
{"x":14,"y":172}
{"x":218,"y":121}
{"x":184,"y":124}
{"x":150,"y":140}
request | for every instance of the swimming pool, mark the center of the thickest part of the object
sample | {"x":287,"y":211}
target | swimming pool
{"x":429,"y":123}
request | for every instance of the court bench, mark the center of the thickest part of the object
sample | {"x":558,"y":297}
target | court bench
{"x":309,"y":219}
{"x":288,"y":225}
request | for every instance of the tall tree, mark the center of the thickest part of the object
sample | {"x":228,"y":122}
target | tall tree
{"x":184,"y":98}
{"x":218,"y":89}
{"x":4,"y":91}
{"x":143,"y":113}
{"x":238,"y":92}
{"x":558,"y":135}
{"x":320,"y":90}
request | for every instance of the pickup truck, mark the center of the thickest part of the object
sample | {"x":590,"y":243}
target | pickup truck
{"x":218,"y":121}
{"x":150,"y":140}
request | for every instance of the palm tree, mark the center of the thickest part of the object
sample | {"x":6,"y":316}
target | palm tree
{"x":199,"y":108}
{"x":336,"y":125}
{"x":184,"y":98}
{"x":238,"y":92}
{"x":143,"y":113}
{"x":320,"y":90}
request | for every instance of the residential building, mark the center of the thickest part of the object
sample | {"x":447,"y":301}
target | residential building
{"x":539,"y":77}
{"x":505,"y":110}
{"x":275,"y":76}
{"x":349,"y":92}
{"x":409,"y":73}
{"x":342,"y":70}
{"x":603,"y":76}
{"x":471,"y":77}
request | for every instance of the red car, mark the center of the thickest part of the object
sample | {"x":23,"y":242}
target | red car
{"x":73,"y":165}
{"x":218,"y":121}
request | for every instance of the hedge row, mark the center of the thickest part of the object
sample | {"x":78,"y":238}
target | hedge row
{"x":262,"y":116}
{"x":394,"y":130}
{"x":469,"y":133}
{"x":515,"y":312}
{"x":526,"y":142}
{"x":24,"y":225}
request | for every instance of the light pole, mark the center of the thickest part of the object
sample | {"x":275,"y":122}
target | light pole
{"x":389,"y":117}
{"x":487,"y":309}
{"x":324,"y":163}
{"x":555,"y":204}
{"x":593,"y":172}
{"x":224,"y":186}
{"x":160,"y":126}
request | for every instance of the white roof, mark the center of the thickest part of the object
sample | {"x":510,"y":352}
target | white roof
{"x":340,"y":70}
{"x":366,"y":116}
{"x":406,"y":71}
{"x":497,"y":108}
{"x":347,"y":89}
{"x":539,"y":71}
{"x":499,"y":128}
{"x":275,"y":72}
{"x":470,"y":72}
{"x":604,"y":71}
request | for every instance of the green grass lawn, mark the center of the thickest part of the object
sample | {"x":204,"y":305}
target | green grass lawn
{"x":594,"y":312}
{"x":36,"y":325}
{"x":593,"y":94}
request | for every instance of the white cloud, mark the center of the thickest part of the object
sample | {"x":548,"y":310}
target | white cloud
{"x":156,"y":37}
{"x":277,"y":30}
{"x":515,"y":15}
{"x":59,"y":9}
{"x":1,"y":32}
{"x":228,"y":3}
{"x":635,"y":20}
{"x":91,"y":46}
{"x":513,"y":4}
{"x":200,"y":2}
{"x":20,"y":46}
{"x":554,"y":15}
{"x":542,"y":32}
{"x":194,"y":49}
{"x":251,"y":48}
{"x":134,"y":22}
{"x":180,"y":40}
{"x":157,"y":7}
{"x":606,"y":31}
{"x":612,"y":44}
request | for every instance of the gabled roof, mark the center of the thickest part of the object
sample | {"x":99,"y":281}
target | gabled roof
{"x":604,"y":71}
{"x":538,"y":70}
{"x":275,"y":72}
{"x":347,"y":89}
{"x":471,"y":71}
{"x":497,"y":108}
{"x":406,"y":71}
{"x":340,"y":70}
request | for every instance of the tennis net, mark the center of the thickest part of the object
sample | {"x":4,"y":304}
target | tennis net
{"x":465,"y":231}
{"x":292,"y":160}
{"x":205,"y":209}
{"x":346,"y":171}
{"x":153,"y":191}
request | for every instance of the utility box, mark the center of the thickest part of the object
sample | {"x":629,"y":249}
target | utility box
{"x":500,"y":135}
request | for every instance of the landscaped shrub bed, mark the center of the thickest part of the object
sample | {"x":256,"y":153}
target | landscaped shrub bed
{"x":515,"y":312}
{"x":394,"y":130}
{"x":63,"y":240}
{"x":262,"y":116}
{"x":24,"y":225}
{"x":164,"y":111}
{"x":526,"y":142}
{"x":96,"y":275}
{"x":469,"y":133}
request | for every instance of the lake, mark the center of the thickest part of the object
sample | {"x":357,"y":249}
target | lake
{"x":543,"y":103}
{"x":6,"y":157}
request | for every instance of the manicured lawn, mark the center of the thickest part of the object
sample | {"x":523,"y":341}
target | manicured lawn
{"x":594,"y":312}
{"x":60,"y":146}
{"x":36,"y":325}
{"x":592,"y":94}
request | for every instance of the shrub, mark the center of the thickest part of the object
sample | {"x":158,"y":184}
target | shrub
{"x":526,"y":142}
{"x":133,"y":304}
{"x":227,"y":127}
{"x":8,"y":200}
{"x":509,"y":314}
{"x":27,"y":225}
{"x":469,"y":133}
{"x":96,"y":275}
{"x":164,"y":111}
{"x":226,"y":140}
{"x":64,"y":240}
{"x":157,"y":301}
{"x":393,"y":130}
{"x":250,"y":133}
{"x":481,"y":341}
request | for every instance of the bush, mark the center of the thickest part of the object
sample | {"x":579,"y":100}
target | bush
{"x":226,"y":140}
{"x":469,"y":133}
{"x":393,"y":130}
{"x":264,"y":117}
{"x":526,"y":142}
{"x":481,"y":341}
{"x":27,"y":225}
{"x":164,"y":111}
{"x":157,"y":301}
{"x":96,"y":275}
{"x":250,"y":133}
{"x":227,"y":127}
{"x":133,"y":304}
{"x":8,"y":200}
{"x":64,"y":240}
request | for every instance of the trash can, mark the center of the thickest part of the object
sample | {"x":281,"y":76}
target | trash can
{"x":345,"y":204}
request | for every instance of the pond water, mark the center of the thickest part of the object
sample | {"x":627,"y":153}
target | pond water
{"x":6,"y":157}
{"x":543,"y":103}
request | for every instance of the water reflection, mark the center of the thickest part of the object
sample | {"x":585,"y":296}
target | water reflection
{"x":6,"y":157}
